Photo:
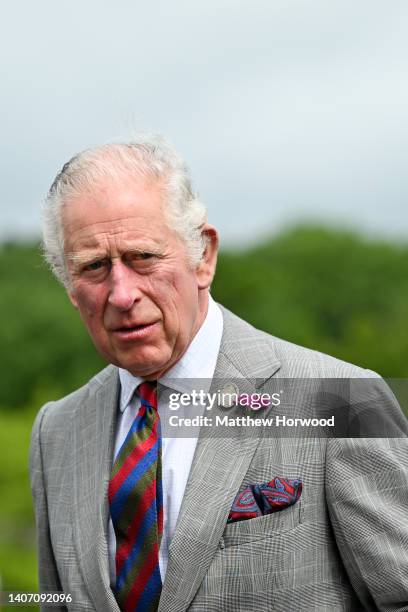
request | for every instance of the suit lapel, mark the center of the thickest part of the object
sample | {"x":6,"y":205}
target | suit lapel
{"x":95,"y":423}
{"x":218,"y":469}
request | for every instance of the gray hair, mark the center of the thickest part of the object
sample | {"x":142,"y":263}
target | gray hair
{"x":149,"y":158}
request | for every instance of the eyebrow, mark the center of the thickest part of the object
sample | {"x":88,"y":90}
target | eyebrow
{"x":82,"y":257}
{"x":90,"y":256}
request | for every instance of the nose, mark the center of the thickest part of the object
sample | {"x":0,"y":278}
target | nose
{"x":124,"y":289}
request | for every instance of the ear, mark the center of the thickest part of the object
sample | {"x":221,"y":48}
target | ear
{"x":206,"y":268}
{"x":73,"y":299}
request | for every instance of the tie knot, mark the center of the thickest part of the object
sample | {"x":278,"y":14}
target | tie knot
{"x":148,"y":393}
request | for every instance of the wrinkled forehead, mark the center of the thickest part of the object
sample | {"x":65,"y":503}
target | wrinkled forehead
{"x":115,"y":200}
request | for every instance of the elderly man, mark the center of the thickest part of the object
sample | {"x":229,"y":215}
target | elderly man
{"x":130,"y":519}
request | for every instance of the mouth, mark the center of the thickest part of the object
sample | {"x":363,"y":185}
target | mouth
{"x":134,"y":332}
{"x":132,"y":327}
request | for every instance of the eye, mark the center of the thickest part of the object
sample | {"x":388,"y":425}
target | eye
{"x":141,"y":256}
{"x":145,"y":255}
{"x":95,"y":265}
{"x":141,"y":261}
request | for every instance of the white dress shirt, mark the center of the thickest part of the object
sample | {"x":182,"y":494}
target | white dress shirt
{"x":198,"y":362}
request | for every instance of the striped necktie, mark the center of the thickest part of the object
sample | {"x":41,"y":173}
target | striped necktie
{"x":136,"y":508}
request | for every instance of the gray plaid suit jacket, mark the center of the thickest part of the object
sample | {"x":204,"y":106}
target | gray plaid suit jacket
{"x":343,"y":546}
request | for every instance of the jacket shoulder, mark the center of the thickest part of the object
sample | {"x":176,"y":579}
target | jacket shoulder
{"x":57,"y":412}
{"x":300,"y":361}
{"x":295,"y":361}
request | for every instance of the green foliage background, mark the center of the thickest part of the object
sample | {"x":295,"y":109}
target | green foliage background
{"x":326,"y":289}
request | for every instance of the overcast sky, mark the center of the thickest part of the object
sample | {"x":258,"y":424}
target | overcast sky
{"x":285,"y":110}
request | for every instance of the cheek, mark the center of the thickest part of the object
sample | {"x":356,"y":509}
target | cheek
{"x":178,"y":302}
{"x":176,"y":296}
{"x":89,"y":301}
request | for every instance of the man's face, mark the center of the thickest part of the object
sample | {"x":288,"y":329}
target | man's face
{"x":138,"y":296}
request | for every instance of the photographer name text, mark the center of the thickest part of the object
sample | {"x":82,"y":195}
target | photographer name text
{"x":248,"y":421}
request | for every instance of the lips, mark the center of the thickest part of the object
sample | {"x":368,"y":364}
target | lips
{"x":133,"y":326}
{"x":135,"y":331}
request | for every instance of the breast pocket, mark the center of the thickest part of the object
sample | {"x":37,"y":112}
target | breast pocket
{"x":262,"y":527}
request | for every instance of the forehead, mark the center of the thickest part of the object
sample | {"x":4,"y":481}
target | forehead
{"x":115,"y":209}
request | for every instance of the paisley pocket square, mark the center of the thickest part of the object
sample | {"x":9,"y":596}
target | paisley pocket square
{"x":266,"y":498}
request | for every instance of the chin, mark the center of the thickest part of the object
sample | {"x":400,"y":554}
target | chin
{"x":145,"y":368}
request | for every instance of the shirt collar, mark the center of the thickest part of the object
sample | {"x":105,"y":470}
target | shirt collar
{"x":198,"y":362}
